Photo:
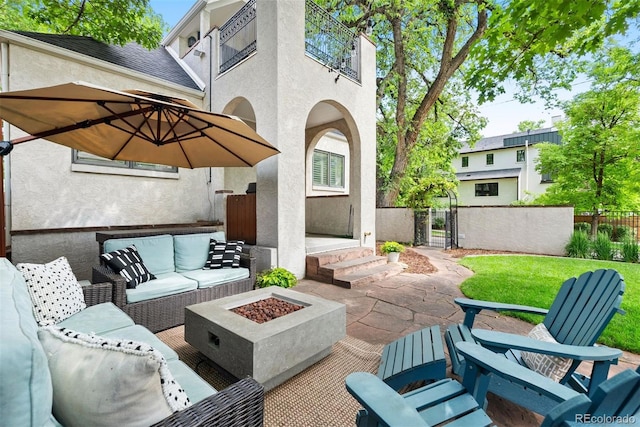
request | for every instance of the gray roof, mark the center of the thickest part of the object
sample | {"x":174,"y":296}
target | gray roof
{"x":490,"y":174}
{"x":156,"y":63}
{"x":497,"y":142}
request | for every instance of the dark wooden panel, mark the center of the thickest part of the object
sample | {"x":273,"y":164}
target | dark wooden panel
{"x":241,"y":218}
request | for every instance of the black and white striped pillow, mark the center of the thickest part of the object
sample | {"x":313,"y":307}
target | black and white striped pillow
{"x":128,"y":263}
{"x":223,"y":254}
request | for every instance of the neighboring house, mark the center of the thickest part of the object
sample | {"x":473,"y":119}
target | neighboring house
{"x":287,"y":69}
{"x":500,"y":170}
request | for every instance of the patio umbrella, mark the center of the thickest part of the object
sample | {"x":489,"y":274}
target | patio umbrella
{"x":132,"y":125}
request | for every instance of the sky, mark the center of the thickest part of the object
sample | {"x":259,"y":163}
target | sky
{"x":503,"y":114}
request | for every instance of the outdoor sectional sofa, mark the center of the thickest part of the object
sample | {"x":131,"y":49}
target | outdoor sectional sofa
{"x":43,"y":374}
{"x":176,"y":259}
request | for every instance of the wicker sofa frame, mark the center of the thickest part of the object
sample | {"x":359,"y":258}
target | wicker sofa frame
{"x":240,"y":404}
{"x":163,"y":313}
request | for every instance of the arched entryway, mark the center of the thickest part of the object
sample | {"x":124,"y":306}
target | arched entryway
{"x":332,"y":189}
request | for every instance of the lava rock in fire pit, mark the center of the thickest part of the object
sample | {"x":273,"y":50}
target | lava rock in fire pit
{"x":266,"y":309}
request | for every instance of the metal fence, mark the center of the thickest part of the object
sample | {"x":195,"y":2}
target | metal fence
{"x":238,"y":37}
{"x":436,"y":228}
{"x":623,"y":223}
{"x":330,"y":42}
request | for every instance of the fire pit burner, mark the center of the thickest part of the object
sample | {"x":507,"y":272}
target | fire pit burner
{"x":266,"y":309}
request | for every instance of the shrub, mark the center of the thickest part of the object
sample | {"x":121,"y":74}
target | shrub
{"x":438,"y":223}
{"x":582,"y":226}
{"x":630,"y":251}
{"x":276,"y":277}
{"x":579,"y":245}
{"x":603,"y":247}
{"x":621,"y":232}
{"x":606,"y":228}
{"x":391,"y":247}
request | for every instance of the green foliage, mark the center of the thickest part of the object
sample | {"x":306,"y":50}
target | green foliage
{"x":108,"y":21}
{"x":621,"y":232}
{"x":603,"y":247}
{"x":276,"y":277}
{"x":388,"y":247}
{"x":535,"y":280}
{"x":579,"y":245}
{"x":596,"y":167}
{"x":582,"y":226}
{"x":438,"y":223}
{"x":630,"y":251}
{"x":606,"y":228}
{"x":526,"y":125}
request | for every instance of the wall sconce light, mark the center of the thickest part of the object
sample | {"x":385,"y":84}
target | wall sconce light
{"x":369,"y":30}
{"x":197,"y":52}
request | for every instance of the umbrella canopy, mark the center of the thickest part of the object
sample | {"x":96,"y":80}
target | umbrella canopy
{"x":132,"y":125}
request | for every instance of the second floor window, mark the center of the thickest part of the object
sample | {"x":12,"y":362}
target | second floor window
{"x":465,"y":162}
{"x":490,"y":159}
{"x":328,"y":169}
{"x":520,"y":156}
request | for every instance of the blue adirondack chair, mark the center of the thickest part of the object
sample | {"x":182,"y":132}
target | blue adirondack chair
{"x":581,"y":310}
{"x":448,"y":401}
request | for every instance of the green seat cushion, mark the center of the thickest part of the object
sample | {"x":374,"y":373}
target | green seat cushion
{"x":142,"y":334}
{"x":26,"y":391}
{"x":164,"y":285}
{"x":191,"y":250}
{"x":196,"y":388}
{"x":209,"y":278}
{"x":99,"y":318}
{"x":156,"y":251}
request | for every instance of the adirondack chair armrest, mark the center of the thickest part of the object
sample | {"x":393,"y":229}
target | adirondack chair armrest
{"x":481,"y":362}
{"x":472,"y":307}
{"x":380,"y":400}
{"x":501,"y":341}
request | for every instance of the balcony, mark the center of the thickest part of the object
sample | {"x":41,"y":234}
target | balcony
{"x":326,"y":40}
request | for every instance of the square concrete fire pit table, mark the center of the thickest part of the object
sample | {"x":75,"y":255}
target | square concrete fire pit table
{"x":270,"y":352}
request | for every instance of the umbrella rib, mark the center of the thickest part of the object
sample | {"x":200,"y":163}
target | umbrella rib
{"x":172,"y":130}
{"x":84,"y":124}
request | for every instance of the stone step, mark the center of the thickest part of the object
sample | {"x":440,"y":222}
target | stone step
{"x":315,"y":261}
{"x":351,"y":266}
{"x":368,"y":275}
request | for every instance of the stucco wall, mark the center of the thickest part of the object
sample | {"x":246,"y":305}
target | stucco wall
{"x":46,"y":193}
{"x":329,"y":215}
{"x":538,"y":230}
{"x":395,"y":224}
{"x":282,"y":86}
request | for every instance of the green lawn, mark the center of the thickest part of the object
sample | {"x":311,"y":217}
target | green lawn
{"x":535,"y":280}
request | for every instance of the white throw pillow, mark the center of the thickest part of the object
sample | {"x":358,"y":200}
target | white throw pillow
{"x":54,"y":290}
{"x":100,"y":381}
{"x":553,"y":367}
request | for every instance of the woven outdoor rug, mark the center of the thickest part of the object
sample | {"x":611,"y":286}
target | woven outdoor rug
{"x":315,"y":397}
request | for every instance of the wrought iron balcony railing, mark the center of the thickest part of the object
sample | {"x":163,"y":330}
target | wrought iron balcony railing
{"x":330,"y":42}
{"x":238,"y":37}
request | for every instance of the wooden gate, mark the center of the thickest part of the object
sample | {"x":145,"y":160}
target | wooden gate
{"x":241,"y":218}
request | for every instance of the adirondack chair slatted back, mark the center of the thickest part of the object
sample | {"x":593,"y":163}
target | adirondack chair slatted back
{"x":618,"y":396}
{"x":584,"y":306}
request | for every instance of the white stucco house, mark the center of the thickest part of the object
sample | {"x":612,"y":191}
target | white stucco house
{"x":500,"y":170}
{"x":300,"y":79}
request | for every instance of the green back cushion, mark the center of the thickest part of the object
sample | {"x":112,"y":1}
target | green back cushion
{"x":191,"y":250}
{"x":156,"y":251}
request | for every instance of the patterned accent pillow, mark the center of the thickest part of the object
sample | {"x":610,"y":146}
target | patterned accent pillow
{"x":129,"y":264}
{"x":553,"y":367}
{"x":223,"y":254}
{"x":54,"y":290}
{"x":100,"y":381}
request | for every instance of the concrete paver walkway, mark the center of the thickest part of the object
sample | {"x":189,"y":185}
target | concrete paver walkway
{"x":384,"y":311}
